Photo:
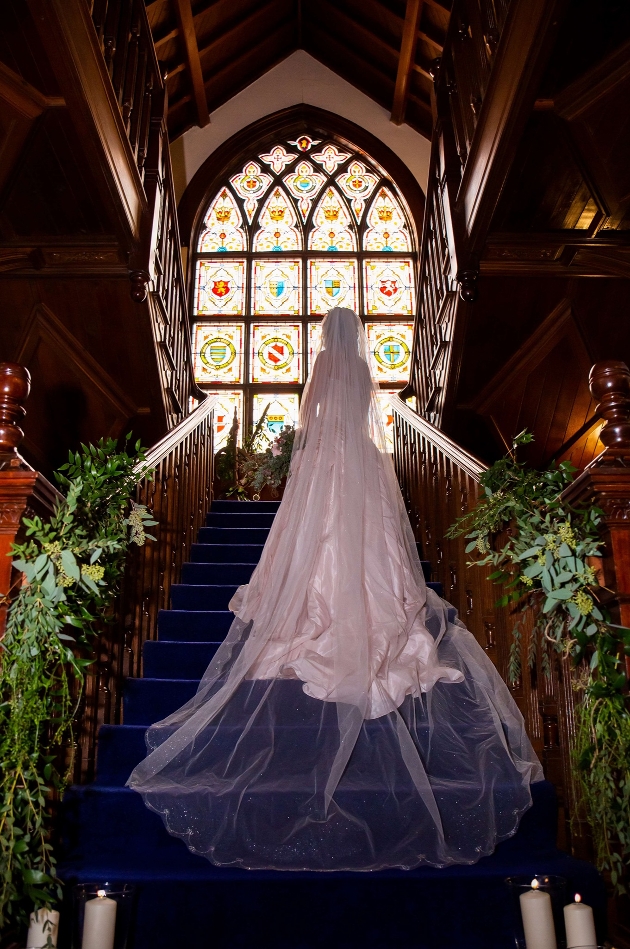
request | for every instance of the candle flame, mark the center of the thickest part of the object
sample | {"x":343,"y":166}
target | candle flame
{"x":101,"y":893}
{"x":535,"y":884}
{"x":578,"y":898}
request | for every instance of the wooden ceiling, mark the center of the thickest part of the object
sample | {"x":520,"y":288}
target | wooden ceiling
{"x":211,"y":49}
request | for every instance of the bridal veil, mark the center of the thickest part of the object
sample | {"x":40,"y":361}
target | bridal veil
{"x":349,"y":721}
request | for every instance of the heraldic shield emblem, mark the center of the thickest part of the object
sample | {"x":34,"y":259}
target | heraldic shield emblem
{"x":276,"y":287}
{"x":220,"y":288}
{"x":332,"y":287}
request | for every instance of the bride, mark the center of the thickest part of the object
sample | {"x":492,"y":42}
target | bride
{"x":348,"y":721}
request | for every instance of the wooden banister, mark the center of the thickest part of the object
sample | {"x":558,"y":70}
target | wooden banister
{"x":23,"y":491}
{"x":178,"y":492}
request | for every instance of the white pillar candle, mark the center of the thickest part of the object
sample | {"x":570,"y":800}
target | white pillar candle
{"x":99,"y":924}
{"x":579,"y":924}
{"x":537,"y":919}
{"x":43,"y":929}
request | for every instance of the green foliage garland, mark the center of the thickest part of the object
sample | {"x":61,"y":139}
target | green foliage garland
{"x":543,"y":566}
{"x":71,"y":567}
{"x":272,"y":465}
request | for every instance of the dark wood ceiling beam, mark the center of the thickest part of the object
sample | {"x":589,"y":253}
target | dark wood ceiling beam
{"x":405,"y":60}
{"x":345,"y":25}
{"x":417,"y":67}
{"x":330,"y":51}
{"x":185,"y":23}
{"x":439,"y":47}
{"x":240,"y":63}
{"x":165,"y":38}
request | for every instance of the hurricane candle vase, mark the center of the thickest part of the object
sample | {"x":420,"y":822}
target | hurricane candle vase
{"x":537,"y":911}
{"x":103,"y":915}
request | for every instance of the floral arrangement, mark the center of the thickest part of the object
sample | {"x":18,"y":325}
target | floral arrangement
{"x":70,"y":568}
{"x":540,"y":548}
{"x":272,"y":465}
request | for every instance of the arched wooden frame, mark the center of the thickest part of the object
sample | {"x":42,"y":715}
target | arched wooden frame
{"x":261,"y":136}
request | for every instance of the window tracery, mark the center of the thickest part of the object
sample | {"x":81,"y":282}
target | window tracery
{"x":300,"y":227}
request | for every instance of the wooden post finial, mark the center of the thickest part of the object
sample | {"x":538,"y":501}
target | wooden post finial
{"x":15,"y":385}
{"x":609,"y":382}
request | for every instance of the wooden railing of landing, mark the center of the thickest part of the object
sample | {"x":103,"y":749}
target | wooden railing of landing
{"x":440,"y":482}
{"x":483,"y":83}
{"x":177,"y":490}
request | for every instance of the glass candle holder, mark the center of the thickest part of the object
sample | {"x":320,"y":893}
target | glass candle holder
{"x":103,"y":915}
{"x":555,"y":886}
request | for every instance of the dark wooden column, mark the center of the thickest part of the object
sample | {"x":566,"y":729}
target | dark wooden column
{"x":606,"y":481}
{"x":22,"y":490}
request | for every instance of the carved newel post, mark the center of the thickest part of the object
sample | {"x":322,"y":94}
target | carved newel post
{"x":606,"y":481}
{"x":21,"y":488}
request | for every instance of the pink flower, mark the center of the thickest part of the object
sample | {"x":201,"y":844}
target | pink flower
{"x":276,"y":450}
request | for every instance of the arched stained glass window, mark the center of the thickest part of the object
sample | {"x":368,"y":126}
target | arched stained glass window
{"x":299,"y":227}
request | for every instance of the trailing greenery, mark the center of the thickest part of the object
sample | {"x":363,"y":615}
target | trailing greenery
{"x":71,"y":567}
{"x":543,"y":563}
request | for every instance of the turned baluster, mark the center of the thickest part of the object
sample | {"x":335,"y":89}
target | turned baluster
{"x":15,"y":385}
{"x":606,"y":481}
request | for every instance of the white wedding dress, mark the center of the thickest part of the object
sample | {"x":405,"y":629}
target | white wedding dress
{"x":345,"y":723}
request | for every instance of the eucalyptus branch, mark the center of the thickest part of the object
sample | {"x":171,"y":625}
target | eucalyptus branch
{"x":71,"y":567}
{"x":543,"y":566}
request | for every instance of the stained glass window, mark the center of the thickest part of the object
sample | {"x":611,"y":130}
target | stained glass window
{"x":314,"y":341}
{"x":219,"y":287}
{"x":388,"y":287}
{"x":282,"y":409}
{"x":389,"y":346}
{"x":357,"y":183}
{"x":300,"y":226}
{"x":230,"y":399}
{"x":332,"y":282}
{"x":250,"y":184}
{"x":218,"y":352}
{"x":332,"y":227}
{"x":222,"y":226}
{"x":305,"y":184}
{"x":276,"y":352}
{"x":277,"y":287}
{"x":387,"y":229}
{"x":278,"y":230}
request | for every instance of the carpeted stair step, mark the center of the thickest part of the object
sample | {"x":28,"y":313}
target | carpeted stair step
{"x":239,"y":507}
{"x":233,"y":535}
{"x":238,"y":519}
{"x":146,"y":701}
{"x":213,"y":573}
{"x":193,"y":596}
{"x":193,"y":625}
{"x":226,"y":553}
{"x":179,"y":660}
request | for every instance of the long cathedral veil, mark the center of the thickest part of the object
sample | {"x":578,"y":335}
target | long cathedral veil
{"x":346,"y":723}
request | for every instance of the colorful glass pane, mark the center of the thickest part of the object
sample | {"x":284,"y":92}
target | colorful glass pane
{"x":219,"y":287}
{"x":277,"y":286}
{"x":332,"y":283}
{"x":276,"y":352}
{"x":388,"y":287}
{"x":314,"y":342}
{"x":278,"y":158}
{"x":387,"y":228}
{"x":305,"y":142}
{"x":387,"y":416}
{"x":282,"y":410}
{"x":224,"y":416}
{"x":223,"y":226}
{"x":389,"y":348}
{"x":250,"y":184}
{"x":332,"y":225}
{"x":218,"y":352}
{"x":304,"y":183}
{"x":278,"y":222}
{"x":331,"y":157}
{"x":357,"y":183}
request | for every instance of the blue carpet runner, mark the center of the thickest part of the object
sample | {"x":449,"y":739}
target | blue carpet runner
{"x":183,"y":900}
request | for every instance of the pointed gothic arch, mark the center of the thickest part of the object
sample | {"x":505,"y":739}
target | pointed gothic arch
{"x":293,"y":217}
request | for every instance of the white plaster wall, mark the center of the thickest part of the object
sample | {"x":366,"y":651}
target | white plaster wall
{"x":298,"y":78}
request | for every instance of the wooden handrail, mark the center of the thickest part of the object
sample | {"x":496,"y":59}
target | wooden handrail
{"x":468,"y":463}
{"x":170,"y":441}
